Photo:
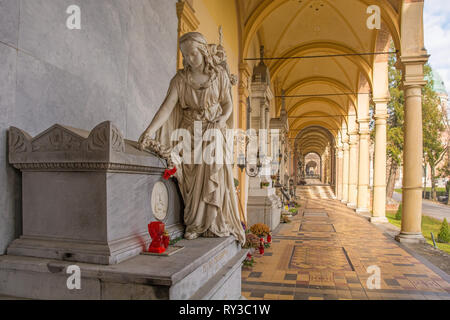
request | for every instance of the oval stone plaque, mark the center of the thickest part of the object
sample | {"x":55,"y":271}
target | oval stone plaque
{"x":160,"y":200}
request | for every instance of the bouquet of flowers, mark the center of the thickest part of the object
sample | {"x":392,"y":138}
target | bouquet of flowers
{"x":248,"y":261}
{"x":260,"y":229}
{"x":252,"y":241}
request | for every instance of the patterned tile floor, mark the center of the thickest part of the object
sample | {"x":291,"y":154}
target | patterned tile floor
{"x":326,"y":252}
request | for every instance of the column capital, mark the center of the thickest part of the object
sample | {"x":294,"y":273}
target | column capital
{"x":244,"y":69}
{"x":345,"y":139}
{"x":408,"y":60}
{"x":346,"y":146}
{"x":416,"y":84}
{"x":412,"y":67}
{"x":353,"y":139}
{"x":381,"y":100}
{"x":186,"y":15}
{"x":364,"y":120}
{"x":243,"y":87}
{"x":363,"y":132}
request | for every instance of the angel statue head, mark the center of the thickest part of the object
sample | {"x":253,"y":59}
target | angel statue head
{"x":197,"y":53}
{"x":194,"y":48}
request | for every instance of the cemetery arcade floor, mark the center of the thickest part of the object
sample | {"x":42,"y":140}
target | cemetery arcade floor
{"x":325,"y":253}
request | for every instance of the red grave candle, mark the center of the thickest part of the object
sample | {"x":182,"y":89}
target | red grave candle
{"x":261,"y":246}
{"x":156,"y":230}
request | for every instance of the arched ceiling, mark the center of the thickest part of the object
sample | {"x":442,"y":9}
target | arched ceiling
{"x":292,"y":28}
{"x":313,"y":139}
{"x":311,"y":164}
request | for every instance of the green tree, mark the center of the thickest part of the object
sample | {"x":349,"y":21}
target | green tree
{"x":444,"y":232}
{"x":434,"y":125}
{"x":395,"y":109}
{"x":444,"y":171}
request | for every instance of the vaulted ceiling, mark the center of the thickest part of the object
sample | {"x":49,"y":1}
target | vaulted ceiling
{"x":292,"y":28}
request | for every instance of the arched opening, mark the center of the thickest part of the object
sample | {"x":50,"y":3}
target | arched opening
{"x":313,"y":168}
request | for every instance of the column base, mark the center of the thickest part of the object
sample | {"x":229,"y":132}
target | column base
{"x":410,"y":237}
{"x":378,"y":219}
{"x":362,"y":210}
{"x":351,"y":205}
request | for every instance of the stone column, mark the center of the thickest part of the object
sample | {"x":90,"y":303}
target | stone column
{"x":295,"y":167}
{"x":353,"y":170}
{"x":283,"y":162}
{"x":345,"y":170}
{"x":334,"y":170}
{"x":363,"y":167}
{"x":244,"y":123}
{"x":412,"y":152}
{"x":267,"y":126}
{"x":263,"y":205}
{"x":379,"y":175}
{"x":339,"y":167}
{"x":262,"y":115}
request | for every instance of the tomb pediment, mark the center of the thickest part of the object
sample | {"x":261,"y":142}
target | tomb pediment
{"x":67,"y":148}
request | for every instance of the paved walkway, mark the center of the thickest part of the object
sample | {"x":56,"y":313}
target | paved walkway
{"x":324,"y":253}
{"x":429,"y":208}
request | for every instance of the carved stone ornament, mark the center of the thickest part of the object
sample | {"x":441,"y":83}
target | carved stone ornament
{"x":103,"y":135}
{"x":63,"y":148}
{"x":160,"y":201}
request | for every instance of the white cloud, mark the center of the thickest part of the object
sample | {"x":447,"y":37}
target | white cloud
{"x":437,"y":36}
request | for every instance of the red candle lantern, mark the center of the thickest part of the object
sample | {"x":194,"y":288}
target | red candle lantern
{"x":156,"y":230}
{"x":261,"y":246}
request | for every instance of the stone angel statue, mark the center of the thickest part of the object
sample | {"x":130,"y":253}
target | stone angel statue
{"x":201,"y":92}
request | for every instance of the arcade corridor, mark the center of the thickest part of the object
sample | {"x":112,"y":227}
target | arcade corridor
{"x":324,"y":253}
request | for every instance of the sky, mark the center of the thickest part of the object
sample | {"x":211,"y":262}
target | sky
{"x":437,"y":37}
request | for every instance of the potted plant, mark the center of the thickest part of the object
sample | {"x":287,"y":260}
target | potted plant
{"x":265,"y":185}
{"x":285,"y":219}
